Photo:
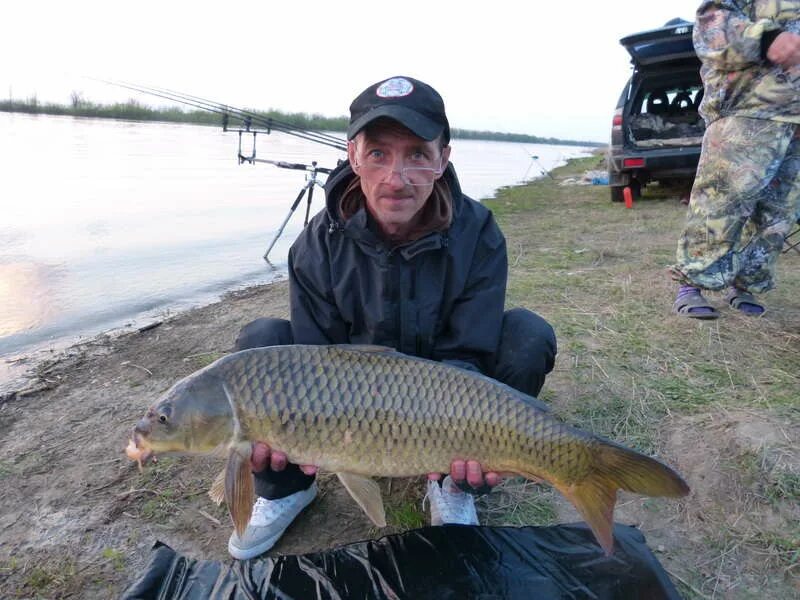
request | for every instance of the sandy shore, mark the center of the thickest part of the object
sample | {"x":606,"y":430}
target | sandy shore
{"x":19,"y":375}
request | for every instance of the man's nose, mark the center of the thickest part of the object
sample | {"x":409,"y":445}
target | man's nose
{"x":393,"y":174}
{"x":394,"y":177}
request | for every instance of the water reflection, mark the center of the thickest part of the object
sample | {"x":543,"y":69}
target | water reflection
{"x":26,"y":295}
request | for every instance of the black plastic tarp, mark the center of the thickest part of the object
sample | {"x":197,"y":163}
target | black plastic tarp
{"x":448,"y":562}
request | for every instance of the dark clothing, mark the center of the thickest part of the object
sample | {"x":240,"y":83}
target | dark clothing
{"x":526,"y":354}
{"x":439,"y":297}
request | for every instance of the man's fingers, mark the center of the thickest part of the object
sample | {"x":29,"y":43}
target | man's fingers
{"x":458,"y":470}
{"x":278,"y":460}
{"x":259,"y":457}
{"x":470,"y":471}
{"x":474,"y":473}
{"x":262,"y":457}
{"x":785,"y":50}
{"x":493,"y":479}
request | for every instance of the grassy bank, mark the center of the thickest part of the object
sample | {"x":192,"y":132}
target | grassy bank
{"x":136,"y":111}
{"x":717,"y":399}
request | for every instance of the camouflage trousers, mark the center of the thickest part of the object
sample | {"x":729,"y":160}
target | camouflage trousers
{"x":744,"y":201}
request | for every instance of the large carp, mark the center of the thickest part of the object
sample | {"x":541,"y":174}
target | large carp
{"x":363,"y":411}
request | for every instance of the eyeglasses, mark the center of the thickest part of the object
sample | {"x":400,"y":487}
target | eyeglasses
{"x":414,"y":176}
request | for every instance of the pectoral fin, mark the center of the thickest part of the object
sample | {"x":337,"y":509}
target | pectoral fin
{"x":217,"y":491}
{"x":367,"y":494}
{"x":239,"y":485}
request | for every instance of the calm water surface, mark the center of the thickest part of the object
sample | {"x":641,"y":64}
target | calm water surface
{"x":109,"y":223}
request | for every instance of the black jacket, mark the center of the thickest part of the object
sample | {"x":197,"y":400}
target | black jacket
{"x":440,"y":297}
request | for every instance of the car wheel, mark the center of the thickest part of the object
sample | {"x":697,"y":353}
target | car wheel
{"x":616,"y":193}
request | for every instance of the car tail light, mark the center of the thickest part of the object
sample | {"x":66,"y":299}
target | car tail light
{"x":633,"y":162}
{"x":616,"y":122}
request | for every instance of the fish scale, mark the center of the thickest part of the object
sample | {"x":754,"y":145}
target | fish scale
{"x":370,"y":411}
{"x":477,"y":414}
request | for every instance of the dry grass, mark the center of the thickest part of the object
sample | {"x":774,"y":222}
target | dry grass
{"x":718,"y":400}
{"x":518,"y":502}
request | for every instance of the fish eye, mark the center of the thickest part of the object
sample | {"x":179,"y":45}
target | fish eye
{"x":162,"y":418}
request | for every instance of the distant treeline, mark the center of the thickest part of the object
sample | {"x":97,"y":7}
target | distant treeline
{"x":136,"y":111}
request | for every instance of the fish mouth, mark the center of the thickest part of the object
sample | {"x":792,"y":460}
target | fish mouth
{"x":138,"y":450}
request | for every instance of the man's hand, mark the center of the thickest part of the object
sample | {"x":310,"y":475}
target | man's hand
{"x":263,"y":456}
{"x":471,"y":472}
{"x":785,"y":50}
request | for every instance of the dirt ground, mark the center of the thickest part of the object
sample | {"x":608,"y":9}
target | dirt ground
{"x":78,"y":519}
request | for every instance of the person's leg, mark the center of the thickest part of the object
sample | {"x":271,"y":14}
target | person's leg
{"x":266,"y":331}
{"x":527,"y":351}
{"x":690,"y":302}
{"x":281,"y":495}
{"x":739,"y":159}
{"x":772,"y":220}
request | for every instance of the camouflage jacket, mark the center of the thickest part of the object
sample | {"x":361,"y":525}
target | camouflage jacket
{"x":739,"y":80}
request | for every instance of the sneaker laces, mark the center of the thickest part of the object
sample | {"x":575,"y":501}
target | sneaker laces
{"x":264,"y":512}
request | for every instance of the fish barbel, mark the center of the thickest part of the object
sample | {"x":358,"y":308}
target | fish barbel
{"x":364,"y":411}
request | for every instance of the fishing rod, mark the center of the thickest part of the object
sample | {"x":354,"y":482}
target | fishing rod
{"x":248,"y":119}
{"x":254,"y":123}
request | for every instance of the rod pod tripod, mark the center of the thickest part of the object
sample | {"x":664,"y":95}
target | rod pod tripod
{"x":311,"y":181}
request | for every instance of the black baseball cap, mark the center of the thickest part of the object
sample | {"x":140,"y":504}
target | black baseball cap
{"x":410,"y":102}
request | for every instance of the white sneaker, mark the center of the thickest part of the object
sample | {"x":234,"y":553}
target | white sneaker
{"x":450,"y":505}
{"x":268,"y":521}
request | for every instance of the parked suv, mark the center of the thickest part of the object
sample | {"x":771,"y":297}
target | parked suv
{"x":656,"y":131}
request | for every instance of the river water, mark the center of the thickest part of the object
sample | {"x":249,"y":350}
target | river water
{"x":107,"y":223}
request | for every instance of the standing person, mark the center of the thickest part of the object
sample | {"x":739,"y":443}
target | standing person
{"x":399,"y":257}
{"x":746,"y":191}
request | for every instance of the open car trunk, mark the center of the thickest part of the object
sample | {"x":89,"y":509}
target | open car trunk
{"x":666,"y":115}
{"x":667,"y":90}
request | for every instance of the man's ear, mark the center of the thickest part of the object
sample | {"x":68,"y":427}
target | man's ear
{"x":445,"y":157}
{"x":351,"y":155}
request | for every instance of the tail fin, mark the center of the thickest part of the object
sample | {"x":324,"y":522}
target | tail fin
{"x":616,"y":467}
{"x":638,"y":473}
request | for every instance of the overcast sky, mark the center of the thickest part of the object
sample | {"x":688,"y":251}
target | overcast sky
{"x":541,"y":68}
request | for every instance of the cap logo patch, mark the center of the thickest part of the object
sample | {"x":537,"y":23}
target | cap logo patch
{"x":396,"y":87}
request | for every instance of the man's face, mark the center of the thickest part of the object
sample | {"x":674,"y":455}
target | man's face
{"x":392,"y":202}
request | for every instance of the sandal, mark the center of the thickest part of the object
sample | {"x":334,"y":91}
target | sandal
{"x":694,"y":306}
{"x":745,"y":302}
